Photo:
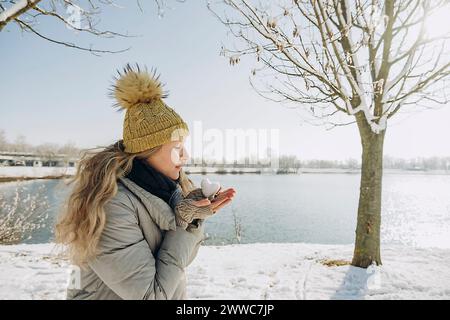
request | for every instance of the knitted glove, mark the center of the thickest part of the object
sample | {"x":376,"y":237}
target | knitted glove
{"x":186,"y":212}
{"x":196,"y":194}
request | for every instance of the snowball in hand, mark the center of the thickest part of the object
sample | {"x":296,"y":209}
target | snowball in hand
{"x":209,"y":189}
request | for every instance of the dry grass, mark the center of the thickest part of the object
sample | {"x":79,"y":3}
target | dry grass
{"x":334,"y":263}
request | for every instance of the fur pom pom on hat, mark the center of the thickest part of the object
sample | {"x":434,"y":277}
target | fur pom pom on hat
{"x":134,"y":86}
{"x":149,"y":122}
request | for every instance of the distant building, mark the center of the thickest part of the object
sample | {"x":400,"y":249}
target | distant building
{"x":8,"y":158}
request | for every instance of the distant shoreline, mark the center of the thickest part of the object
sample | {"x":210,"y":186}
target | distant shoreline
{"x":8,"y":174}
{"x":11,"y":179}
{"x":19,"y":173}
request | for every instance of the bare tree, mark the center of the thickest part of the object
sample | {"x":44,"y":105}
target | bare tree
{"x":237,"y":226}
{"x":70,"y":150}
{"x":22,"y":214}
{"x":345,"y":62}
{"x":288,"y":162}
{"x":47,"y":151}
{"x":3,"y":142}
{"x":20,"y":144}
{"x":80,"y":16}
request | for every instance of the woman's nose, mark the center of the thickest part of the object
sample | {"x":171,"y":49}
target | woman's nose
{"x":184,"y":155}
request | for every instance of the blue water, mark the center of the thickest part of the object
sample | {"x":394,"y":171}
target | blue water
{"x":312,"y":208}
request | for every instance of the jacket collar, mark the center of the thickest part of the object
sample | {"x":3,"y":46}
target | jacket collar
{"x":160,"y":212}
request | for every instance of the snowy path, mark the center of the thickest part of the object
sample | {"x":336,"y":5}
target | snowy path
{"x":257,"y":271}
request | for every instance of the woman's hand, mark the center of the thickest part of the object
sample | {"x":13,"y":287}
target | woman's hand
{"x":191,"y":207}
{"x":221,"y":199}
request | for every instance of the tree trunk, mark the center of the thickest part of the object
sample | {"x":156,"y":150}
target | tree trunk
{"x":367,"y":244}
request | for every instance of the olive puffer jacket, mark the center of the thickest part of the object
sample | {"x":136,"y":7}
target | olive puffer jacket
{"x":142,"y":253}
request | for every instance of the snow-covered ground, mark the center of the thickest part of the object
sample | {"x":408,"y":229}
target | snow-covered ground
{"x":35,"y":172}
{"x":256,"y":271}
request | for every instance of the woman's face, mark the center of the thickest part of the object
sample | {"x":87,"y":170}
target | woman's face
{"x":169,"y":159}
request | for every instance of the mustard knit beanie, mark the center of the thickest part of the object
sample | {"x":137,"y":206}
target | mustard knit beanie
{"x":149,"y":122}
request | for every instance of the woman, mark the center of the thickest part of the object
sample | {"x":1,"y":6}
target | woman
{"x":133,"y":221}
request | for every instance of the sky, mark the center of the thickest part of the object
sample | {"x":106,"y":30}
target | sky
{"x":54,"y":94}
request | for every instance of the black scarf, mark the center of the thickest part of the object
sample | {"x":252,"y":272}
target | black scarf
{"x":150,"y":179}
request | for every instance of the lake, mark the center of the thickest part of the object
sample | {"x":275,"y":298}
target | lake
{"x":311,"y":208}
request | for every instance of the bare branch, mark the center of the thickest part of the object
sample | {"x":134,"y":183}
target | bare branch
{"x":27,"y":15}
{"x":363,"y":56}
{"x":67,"y":44}
{"x":15,"y":10}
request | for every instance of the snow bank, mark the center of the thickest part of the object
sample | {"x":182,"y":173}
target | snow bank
{"x":256,"y":271}
{"x":35,"y":172}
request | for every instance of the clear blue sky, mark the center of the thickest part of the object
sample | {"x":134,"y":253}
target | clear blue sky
{"x":50,"y":93}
